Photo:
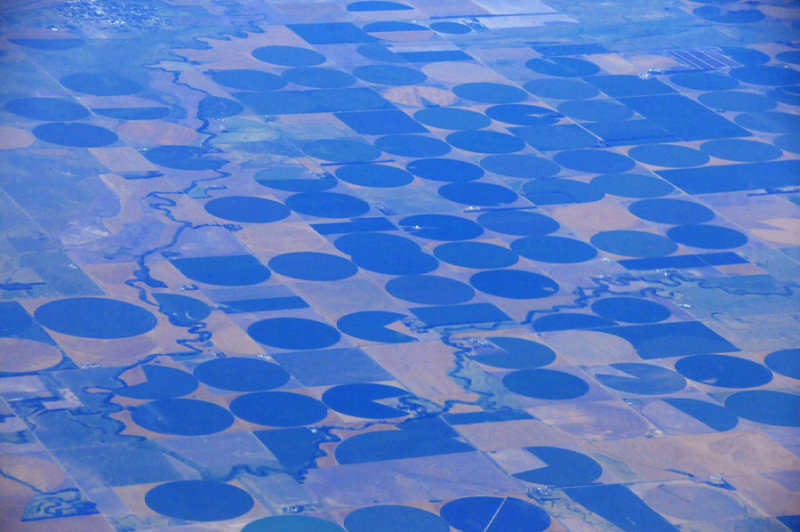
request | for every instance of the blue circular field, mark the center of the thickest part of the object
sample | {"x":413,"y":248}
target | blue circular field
{"x":724,"y":371}
{"x":327,"y":205}
{"x":568,"y":67}
{"x":770,"y":122}
{"x":452,"y":28}
{"x":319,"y":78}
{"x":745,"y":56}
{"x":478,"y":255}
{"x":561,"y":89}
{"x":223,"y":270}
{"x":517,"y":222}
{"x":292,"y":523}
{"x":384,"y":253}
{"x":199,"y":500}
{"x":480,"y":194}
{"x":766,"y":406}
{"x":378,"y":52}
{"x":430,"y":290}
{"x":47,"y":109}
{"x":451,"y":170}
{"x":561,"y":191}
{"x":632,"y":185}
{"x":361,"y":400}
{"x":441,"y":227}
{"x":279,"y":409}
{"x":248,"y":80}
{"x":481,"y":141}
{"x":786,"y":362}
{"x":389,"y":75}
{"x":514,"y":284}
{"x":771,"y":76}
{"x":671,"y":211}
{"x":95,"y":317}
{"x":790,"y":143}
{"x":668,"y":155}
{"x":100,"y":84}
{"x":477,"y":514}
{"x":247,"y":209}
{"x":642,"y":379}
{"x":522,"y":114}
{"x":633,"y":243}
{"x":372,"y":325}
{"x":179,"y":157}
{"x":741,"y":150}
{"x":545,"y":384}
{"x":241,"y":374}
{"x":737,"y":101}
{"x":293,"y":333}
{"x":520,"y":165}
{"x":288,"y":56}
{"x":707,"y":236}
{"x":75,"y":134}
{"x":452,"y":118}
{"x":163,"y":382}
{"x":412,"y":145}
{"x":182,"y":417}
{"x":290,"y":179}
{"x":394,"y":518}
{"x":374,"y":175}
{"x":630,"y":310}
{"x":554,"y":249}
{"x":704,"y":81}
{"x":594,"y":161}
{"x":313,"y":266}
{"x":519,"y":353}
